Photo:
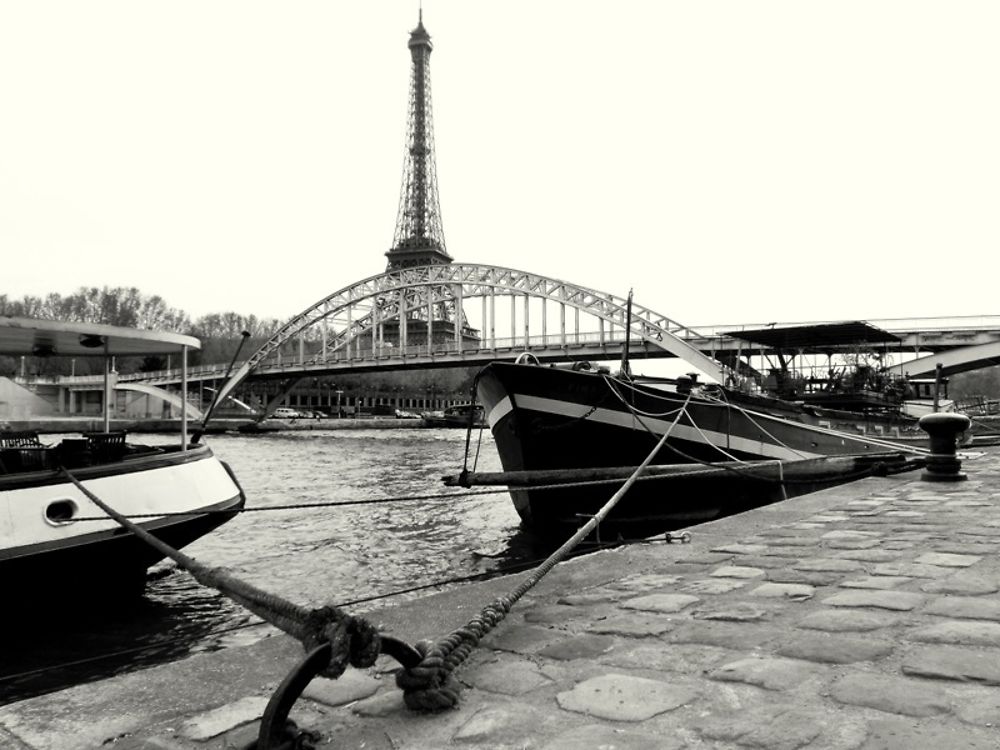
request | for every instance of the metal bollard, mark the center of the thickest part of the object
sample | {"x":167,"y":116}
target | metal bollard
{"x":942,"y":463}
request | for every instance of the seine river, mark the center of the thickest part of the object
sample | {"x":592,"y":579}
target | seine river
{"x":337,"y":554}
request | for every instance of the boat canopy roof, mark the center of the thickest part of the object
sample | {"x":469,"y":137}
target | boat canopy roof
{"x":816,"y":338}
{"x":44,"y":338}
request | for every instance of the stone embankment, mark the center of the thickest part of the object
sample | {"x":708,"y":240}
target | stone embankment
{"x":223,"y":424}
{"x":867,"y":616}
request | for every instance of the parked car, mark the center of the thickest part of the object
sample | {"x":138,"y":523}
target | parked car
{"x":284,"y":412}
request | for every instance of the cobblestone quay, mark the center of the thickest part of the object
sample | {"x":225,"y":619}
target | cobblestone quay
{"x":867,"y":616}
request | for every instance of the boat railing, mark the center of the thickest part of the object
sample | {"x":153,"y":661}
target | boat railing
{"x":20,"y":439}
{"x":22,"y":451}
{"x":979,"y":406}
{"x":106,"y":447}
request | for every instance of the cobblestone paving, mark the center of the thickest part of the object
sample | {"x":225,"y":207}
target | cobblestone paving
{"x":865,"y":618}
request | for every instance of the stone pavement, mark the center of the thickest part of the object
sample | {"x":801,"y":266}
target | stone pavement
{"x":867,"y":616}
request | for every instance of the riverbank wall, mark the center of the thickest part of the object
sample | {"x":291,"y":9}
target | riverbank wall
{"x":96,"y":424}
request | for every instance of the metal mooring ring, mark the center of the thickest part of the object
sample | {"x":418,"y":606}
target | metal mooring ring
{"x":277,"y":732}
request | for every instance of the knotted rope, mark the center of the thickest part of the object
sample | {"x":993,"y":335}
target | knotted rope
{"x":354,"y":640}
{"x":429,"y":686}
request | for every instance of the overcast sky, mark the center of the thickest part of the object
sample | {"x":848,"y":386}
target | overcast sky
{"x":730,"y":161}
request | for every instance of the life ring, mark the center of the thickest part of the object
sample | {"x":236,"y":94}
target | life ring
{"x":526,"y":358}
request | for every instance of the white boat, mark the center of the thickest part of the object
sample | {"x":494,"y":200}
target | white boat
{"x":49,"y":550}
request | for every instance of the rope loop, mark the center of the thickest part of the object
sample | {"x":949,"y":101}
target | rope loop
{"x":428,"y":686}
{"x":354,"y":640}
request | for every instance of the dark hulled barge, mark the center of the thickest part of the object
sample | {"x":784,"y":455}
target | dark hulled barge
{"x":566,"y":418}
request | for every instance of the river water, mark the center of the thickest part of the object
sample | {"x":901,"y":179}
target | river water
{"x":328,"y":555}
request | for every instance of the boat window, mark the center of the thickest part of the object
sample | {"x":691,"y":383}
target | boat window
{"x":60,"y":512}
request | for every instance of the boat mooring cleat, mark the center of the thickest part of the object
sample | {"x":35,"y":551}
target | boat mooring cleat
{"x":943,"y":465}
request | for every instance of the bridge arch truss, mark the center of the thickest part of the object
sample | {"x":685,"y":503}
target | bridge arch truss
{"x":355,"y":317}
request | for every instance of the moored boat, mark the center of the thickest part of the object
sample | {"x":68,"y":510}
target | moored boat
{"x":839,"y":366}
{"x":55,"y":544}
{"x":549,"y":418}
{"x":460,"y":415}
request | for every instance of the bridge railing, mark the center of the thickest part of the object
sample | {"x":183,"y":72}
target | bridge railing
{"x":387,"y":350}
{"x":312,"y":358}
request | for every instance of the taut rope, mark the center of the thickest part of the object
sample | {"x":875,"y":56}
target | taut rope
{"x":429,"y":686}
{"x":354,"y":640}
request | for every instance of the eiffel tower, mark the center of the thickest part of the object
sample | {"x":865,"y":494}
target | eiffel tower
{"x":419,"y":237}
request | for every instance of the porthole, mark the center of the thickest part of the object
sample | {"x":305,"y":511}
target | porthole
{"x":60,"y":512}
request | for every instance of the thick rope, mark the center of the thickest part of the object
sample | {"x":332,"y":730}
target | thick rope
{"x":440,"y":496}
{"x":612,"y":385}
{"x":638,"y":414}
{"x":354,"y":641}
{"x":723,"y":400}
{"x":875,"y":469}
{"x":754,"y":422}
{"x":429,"y":686}
{"x":469,"y":424}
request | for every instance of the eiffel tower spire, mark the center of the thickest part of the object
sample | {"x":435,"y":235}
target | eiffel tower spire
{"x":419,"y":236}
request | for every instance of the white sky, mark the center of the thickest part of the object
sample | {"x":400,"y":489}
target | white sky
{"x":730,"y":161}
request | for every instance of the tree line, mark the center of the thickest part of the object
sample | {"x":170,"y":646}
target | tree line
{"x":220,"y":335}
{"x":128,"y":307}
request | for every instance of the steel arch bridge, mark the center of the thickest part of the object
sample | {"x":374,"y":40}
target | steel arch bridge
{"x":357,"y":315}
{"x":953,"y":361}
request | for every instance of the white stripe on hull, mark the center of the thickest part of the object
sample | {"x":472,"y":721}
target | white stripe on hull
{"x":177,"y":488}
{"x":498,"y":412}
{"x":659,"y":426}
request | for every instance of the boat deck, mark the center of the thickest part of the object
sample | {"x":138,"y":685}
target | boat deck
{"x":865,"y":616}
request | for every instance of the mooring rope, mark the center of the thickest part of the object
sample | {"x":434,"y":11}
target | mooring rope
{"x":254,"y":623}
{"x":429,"y":686}
{"x":354,"y":640}
{"x":437,"y":496}
{"x":440,"y":496}
{"x":876,"y":468}
{"x":611,"y":383}
{"x":750,"y":417}
{"x":638,"y":414}
{"x":469,"y":425}
{"x":708,"y":440}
